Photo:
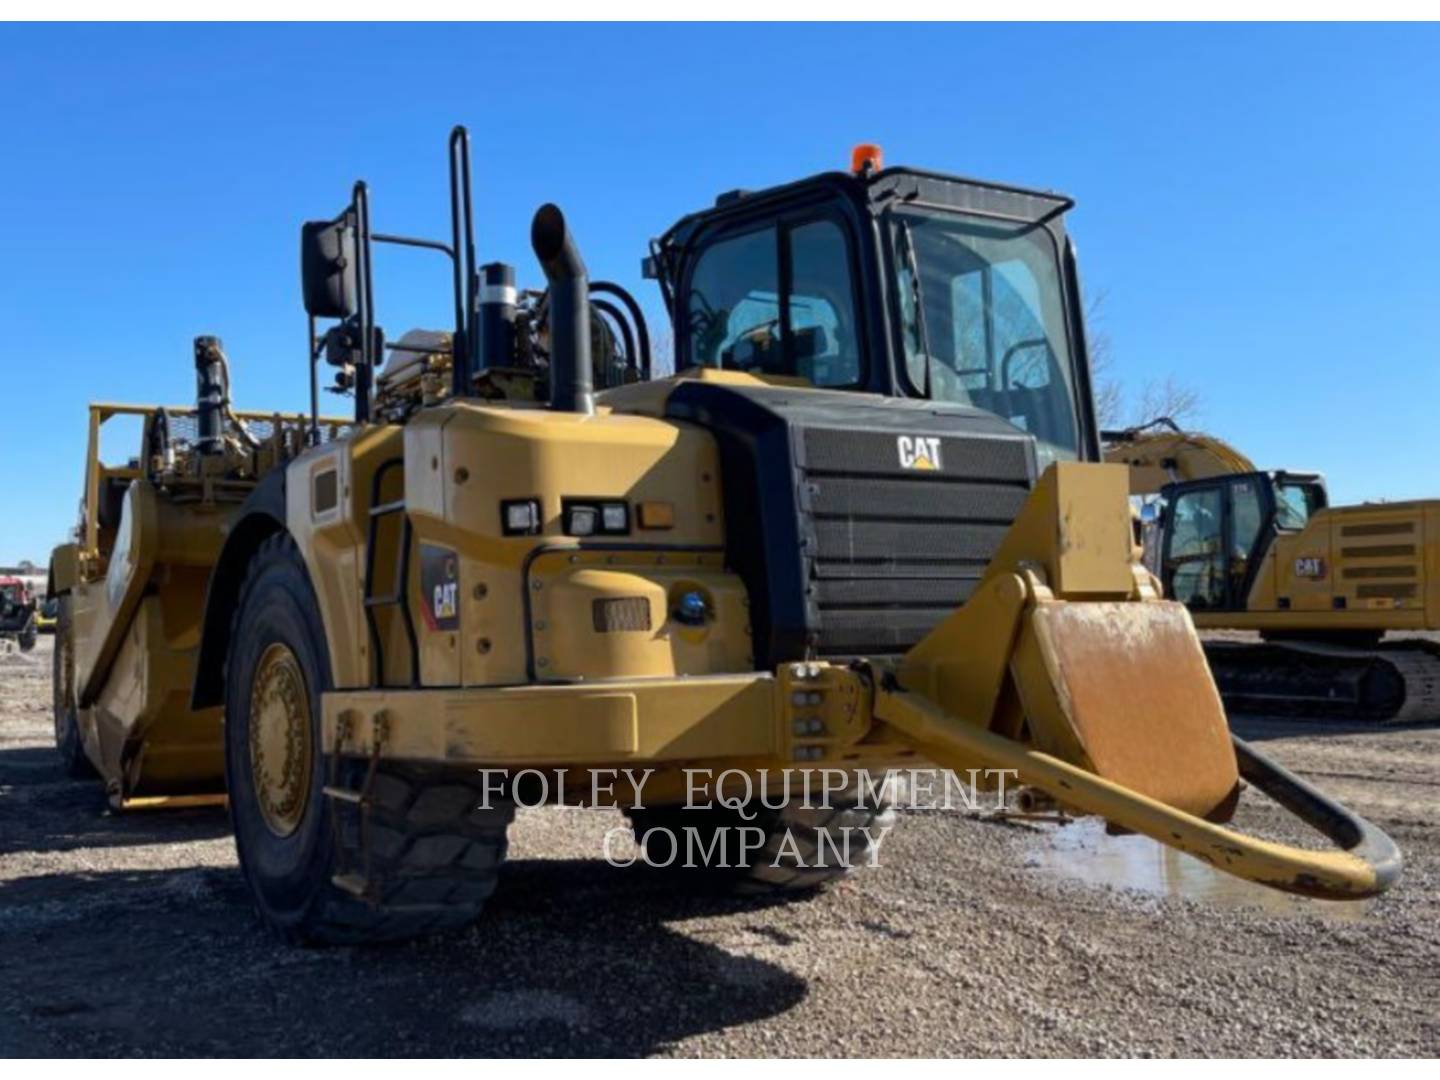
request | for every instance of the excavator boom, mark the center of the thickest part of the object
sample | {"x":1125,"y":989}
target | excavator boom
{"x":1160,"y":453}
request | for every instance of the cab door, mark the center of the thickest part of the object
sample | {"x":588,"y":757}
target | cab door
{"x":1247,"y":533}
{"x":1193,"y":560}
{"x":1214,"y":531}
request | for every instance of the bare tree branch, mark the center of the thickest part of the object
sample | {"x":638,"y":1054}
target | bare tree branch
{"x":1109,"y":394}
{"x":662,"y":351}
{"x":1168,"y":398}
{"x":1113,"y":404}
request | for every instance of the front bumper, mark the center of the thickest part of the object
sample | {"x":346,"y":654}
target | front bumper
{"x":804,"y":713}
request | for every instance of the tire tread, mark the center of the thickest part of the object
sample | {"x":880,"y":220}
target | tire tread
{"x":765,"y":875}
{"x":424,"y":854}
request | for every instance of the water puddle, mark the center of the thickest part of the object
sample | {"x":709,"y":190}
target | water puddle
{"x":1082,"y":851}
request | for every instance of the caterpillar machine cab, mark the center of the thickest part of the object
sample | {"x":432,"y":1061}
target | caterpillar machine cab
{"x":864,"y":526}
{"x":1248,"y":549}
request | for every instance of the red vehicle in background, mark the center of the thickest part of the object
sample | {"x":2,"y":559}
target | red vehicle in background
{"x":17,"y":613}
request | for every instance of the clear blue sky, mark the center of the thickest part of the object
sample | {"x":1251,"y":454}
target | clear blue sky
{"x":1258,"y":203}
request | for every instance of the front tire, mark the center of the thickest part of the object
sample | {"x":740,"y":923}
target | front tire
{"x":423,"y":855}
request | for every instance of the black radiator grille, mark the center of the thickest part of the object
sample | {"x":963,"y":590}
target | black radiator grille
{"x":848,"y":545}
{"x":894,"y":550}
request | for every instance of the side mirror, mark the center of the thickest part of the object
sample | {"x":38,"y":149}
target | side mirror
{"x":327,"y":268}
{"x":1149,"y":513}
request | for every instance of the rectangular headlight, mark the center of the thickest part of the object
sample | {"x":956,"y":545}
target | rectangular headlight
{"x":581,"y":520}
{"x":615,"y":517}
{"x":520,"y":517}
{"x":595,"y":517}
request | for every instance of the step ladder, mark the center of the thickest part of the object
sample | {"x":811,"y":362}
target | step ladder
{"x":396,"y":597}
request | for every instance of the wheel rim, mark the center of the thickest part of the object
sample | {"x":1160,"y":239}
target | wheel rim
{"x":280,"y":739}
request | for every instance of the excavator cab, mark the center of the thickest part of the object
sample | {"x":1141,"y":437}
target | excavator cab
{"x":1216,"y":531}
{"x":1322,"y":585}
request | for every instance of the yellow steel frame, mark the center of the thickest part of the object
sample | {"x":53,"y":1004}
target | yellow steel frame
{"x":1000,"y":685}
{"x":1334,"y":875}
{"x":97,"y":471}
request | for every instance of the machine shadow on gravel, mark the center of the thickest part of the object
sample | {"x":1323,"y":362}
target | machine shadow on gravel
{"x":572,"y":957}
{"x":46,"y":811}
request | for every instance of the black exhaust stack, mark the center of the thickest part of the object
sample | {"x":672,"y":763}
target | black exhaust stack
{"x":212,"y":390}
{"x":572,"y":381}
{"x":497,"y":316}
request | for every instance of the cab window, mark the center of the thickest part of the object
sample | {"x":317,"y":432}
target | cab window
{"x":822,"y":306}
{"x":1294,"y":503}
{"x":982,"y":317}
{"x":1247,"y":515}
{"x":734,"y":301}
{"x":1195,"y":562}
{"x":743,"y":317}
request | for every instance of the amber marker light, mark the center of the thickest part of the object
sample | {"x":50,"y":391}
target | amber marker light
{"x":866,"y":157}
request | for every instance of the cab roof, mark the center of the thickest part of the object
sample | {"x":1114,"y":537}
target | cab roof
{"x":902,"y":183}
{"x":871,"y":192}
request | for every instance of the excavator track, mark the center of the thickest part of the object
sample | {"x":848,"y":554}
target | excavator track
{"x":1394,"y":682}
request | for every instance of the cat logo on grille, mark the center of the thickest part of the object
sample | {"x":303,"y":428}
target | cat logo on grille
{"x":919,"y":452}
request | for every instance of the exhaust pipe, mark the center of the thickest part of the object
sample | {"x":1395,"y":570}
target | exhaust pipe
{"x":212,"y":393}
{"x":572,"y":380}
{"x":497,"y":316}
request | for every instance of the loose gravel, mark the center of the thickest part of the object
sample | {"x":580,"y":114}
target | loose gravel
{"x":133,"y":935}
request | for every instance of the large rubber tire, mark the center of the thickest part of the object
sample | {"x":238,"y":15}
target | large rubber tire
{"x":802,"y":865}
{"x":62,"y":679}
{"x":28,"y":637}
{"x":428,"y":856}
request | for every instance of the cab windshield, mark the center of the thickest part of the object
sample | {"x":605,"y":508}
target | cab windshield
{"x":983,"y":321}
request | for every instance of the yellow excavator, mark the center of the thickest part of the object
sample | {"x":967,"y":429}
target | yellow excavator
{"x":1325,"y":586}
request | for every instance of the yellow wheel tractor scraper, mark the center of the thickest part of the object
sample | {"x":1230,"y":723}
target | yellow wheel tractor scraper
{"x":864,"y":527}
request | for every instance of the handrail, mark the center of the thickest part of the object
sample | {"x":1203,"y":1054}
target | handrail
{"x":1366,"y":864}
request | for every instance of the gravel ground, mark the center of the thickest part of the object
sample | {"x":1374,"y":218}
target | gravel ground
{"x":133,"y":935}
